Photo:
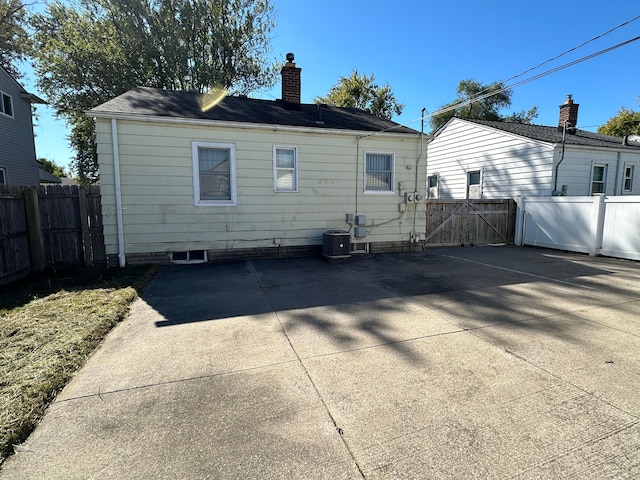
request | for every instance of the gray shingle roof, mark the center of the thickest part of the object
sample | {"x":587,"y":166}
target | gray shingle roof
{"x":553,"y":135}
{"x":153,"y":102}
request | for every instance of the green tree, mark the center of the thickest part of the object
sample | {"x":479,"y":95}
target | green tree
{"x":481,"y":102}
{"x":626,"y":122}
{"x":14,"y":39}
{"x":523,"y":116}
{"x":52,"y":167}
{"x":90,"y":52}
{"x":361,"y":91}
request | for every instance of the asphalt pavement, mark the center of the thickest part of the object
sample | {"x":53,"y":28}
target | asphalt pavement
{"x":483,"y":362}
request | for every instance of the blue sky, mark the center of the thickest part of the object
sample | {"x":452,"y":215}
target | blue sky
{"x":422,"y":49}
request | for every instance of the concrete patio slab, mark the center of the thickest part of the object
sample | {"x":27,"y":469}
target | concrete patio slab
{"x":485,"y":362}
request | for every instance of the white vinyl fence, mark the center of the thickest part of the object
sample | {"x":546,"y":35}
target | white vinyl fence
{"x":597,"y":225}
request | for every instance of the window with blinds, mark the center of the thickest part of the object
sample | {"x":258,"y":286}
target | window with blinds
{"x":214,"y":173}
{"x":285,"y":169}
{"x":378,"y":172}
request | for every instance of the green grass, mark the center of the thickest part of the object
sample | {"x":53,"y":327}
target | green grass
{"x":49,"y":325}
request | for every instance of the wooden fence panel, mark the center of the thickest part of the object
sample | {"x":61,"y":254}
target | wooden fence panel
{"x":61,"y":226}
{"x":70,"y":225}
{"x":94,"y":215}
{"x":14,"y":234}
{"x":469,"y":222}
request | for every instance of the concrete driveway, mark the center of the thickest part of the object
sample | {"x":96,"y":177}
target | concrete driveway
{"x":485,"y":362}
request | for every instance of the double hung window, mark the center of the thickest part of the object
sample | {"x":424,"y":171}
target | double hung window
{"x":214,"y":176}
{"x":598,"y":179}
{"x":474,"y":186}
{"x":285,"y":169}
{"x":627,"y":181}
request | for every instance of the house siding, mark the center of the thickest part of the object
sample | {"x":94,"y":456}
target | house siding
{"x":510,"y":165}
{"x":159,"y":214}
{"x":513,"y":165}
{"x":576,"y":169}
{"x":17,"y":149}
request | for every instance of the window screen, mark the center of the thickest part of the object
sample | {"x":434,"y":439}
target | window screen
{"x":379,"y":172}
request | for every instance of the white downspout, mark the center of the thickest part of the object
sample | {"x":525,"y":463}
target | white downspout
{"x":116,"y":173}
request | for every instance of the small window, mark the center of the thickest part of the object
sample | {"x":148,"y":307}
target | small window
{"x":285,"y":169}
{"x":214,"y":177}
{"x":432,"y":186}
{"x":6,"y":106}
{"x":627,"y":184}
{"x":3,"y":176}
{"x":598,"y":180}
{"x":378,"y":172}
{"x":474,"y":188}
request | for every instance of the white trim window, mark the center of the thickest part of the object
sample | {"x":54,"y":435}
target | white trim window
{"x":627,"y":181}
{"x":3,"y":176}
{"x":214,"y":173}
{"x":6,"y":104}
{"x":598,"y":179}
{"x":432,"y":186}
{"x":379,"y":172}
{"x":285,"y":168}
{"x":474,"y":184}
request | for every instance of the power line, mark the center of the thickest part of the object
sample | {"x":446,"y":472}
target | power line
{"x":487,"y":94}
{"x":572,"y":49}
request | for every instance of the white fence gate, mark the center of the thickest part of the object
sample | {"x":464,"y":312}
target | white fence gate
{"x":597,"y":225}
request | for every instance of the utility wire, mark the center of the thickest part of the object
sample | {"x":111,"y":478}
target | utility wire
{"x":477,"y":98}
{"x":486,"y":93}
{"x":571,"y":49}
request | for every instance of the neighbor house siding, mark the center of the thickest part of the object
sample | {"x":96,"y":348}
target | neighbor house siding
{"x":159,"y":214}
{"x":17,"y":150}
{"x":510,"y":165}
{"x":577,"y":166}
{"x":627,"y":159}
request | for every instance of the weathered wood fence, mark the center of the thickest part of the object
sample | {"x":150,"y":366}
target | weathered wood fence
{"x":52,"y":226}
{"x":470,"y":222}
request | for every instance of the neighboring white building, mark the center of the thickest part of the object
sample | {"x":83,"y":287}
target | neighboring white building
{"x":252,"y":177}
{"x":486,"y":159}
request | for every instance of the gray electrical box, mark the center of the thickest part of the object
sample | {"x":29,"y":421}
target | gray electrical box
{"x":361,"y":219}
{"x":336,"y":244}
{"x":360,"y":232}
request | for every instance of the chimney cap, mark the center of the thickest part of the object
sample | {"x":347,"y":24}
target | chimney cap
{"x":290,"y":57}
{"x":569,"y":99}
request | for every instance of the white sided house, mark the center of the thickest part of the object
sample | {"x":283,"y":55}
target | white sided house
{"x":487,"y":159}
{"x":185,"y":181}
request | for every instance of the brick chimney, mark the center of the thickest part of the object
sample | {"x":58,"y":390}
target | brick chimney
{"x":290,"y":84}
{"x":568,"y":115}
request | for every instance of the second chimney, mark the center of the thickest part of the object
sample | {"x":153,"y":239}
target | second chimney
{"x":290,"y":84}
{"x":568,"y":115}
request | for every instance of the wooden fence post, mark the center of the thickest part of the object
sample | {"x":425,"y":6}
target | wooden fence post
{"x":86,"y":233}
{"x":34,"y":225}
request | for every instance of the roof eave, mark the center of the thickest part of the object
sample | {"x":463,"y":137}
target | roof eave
{"x":261,"y":126}
{"x":615,"y":148}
